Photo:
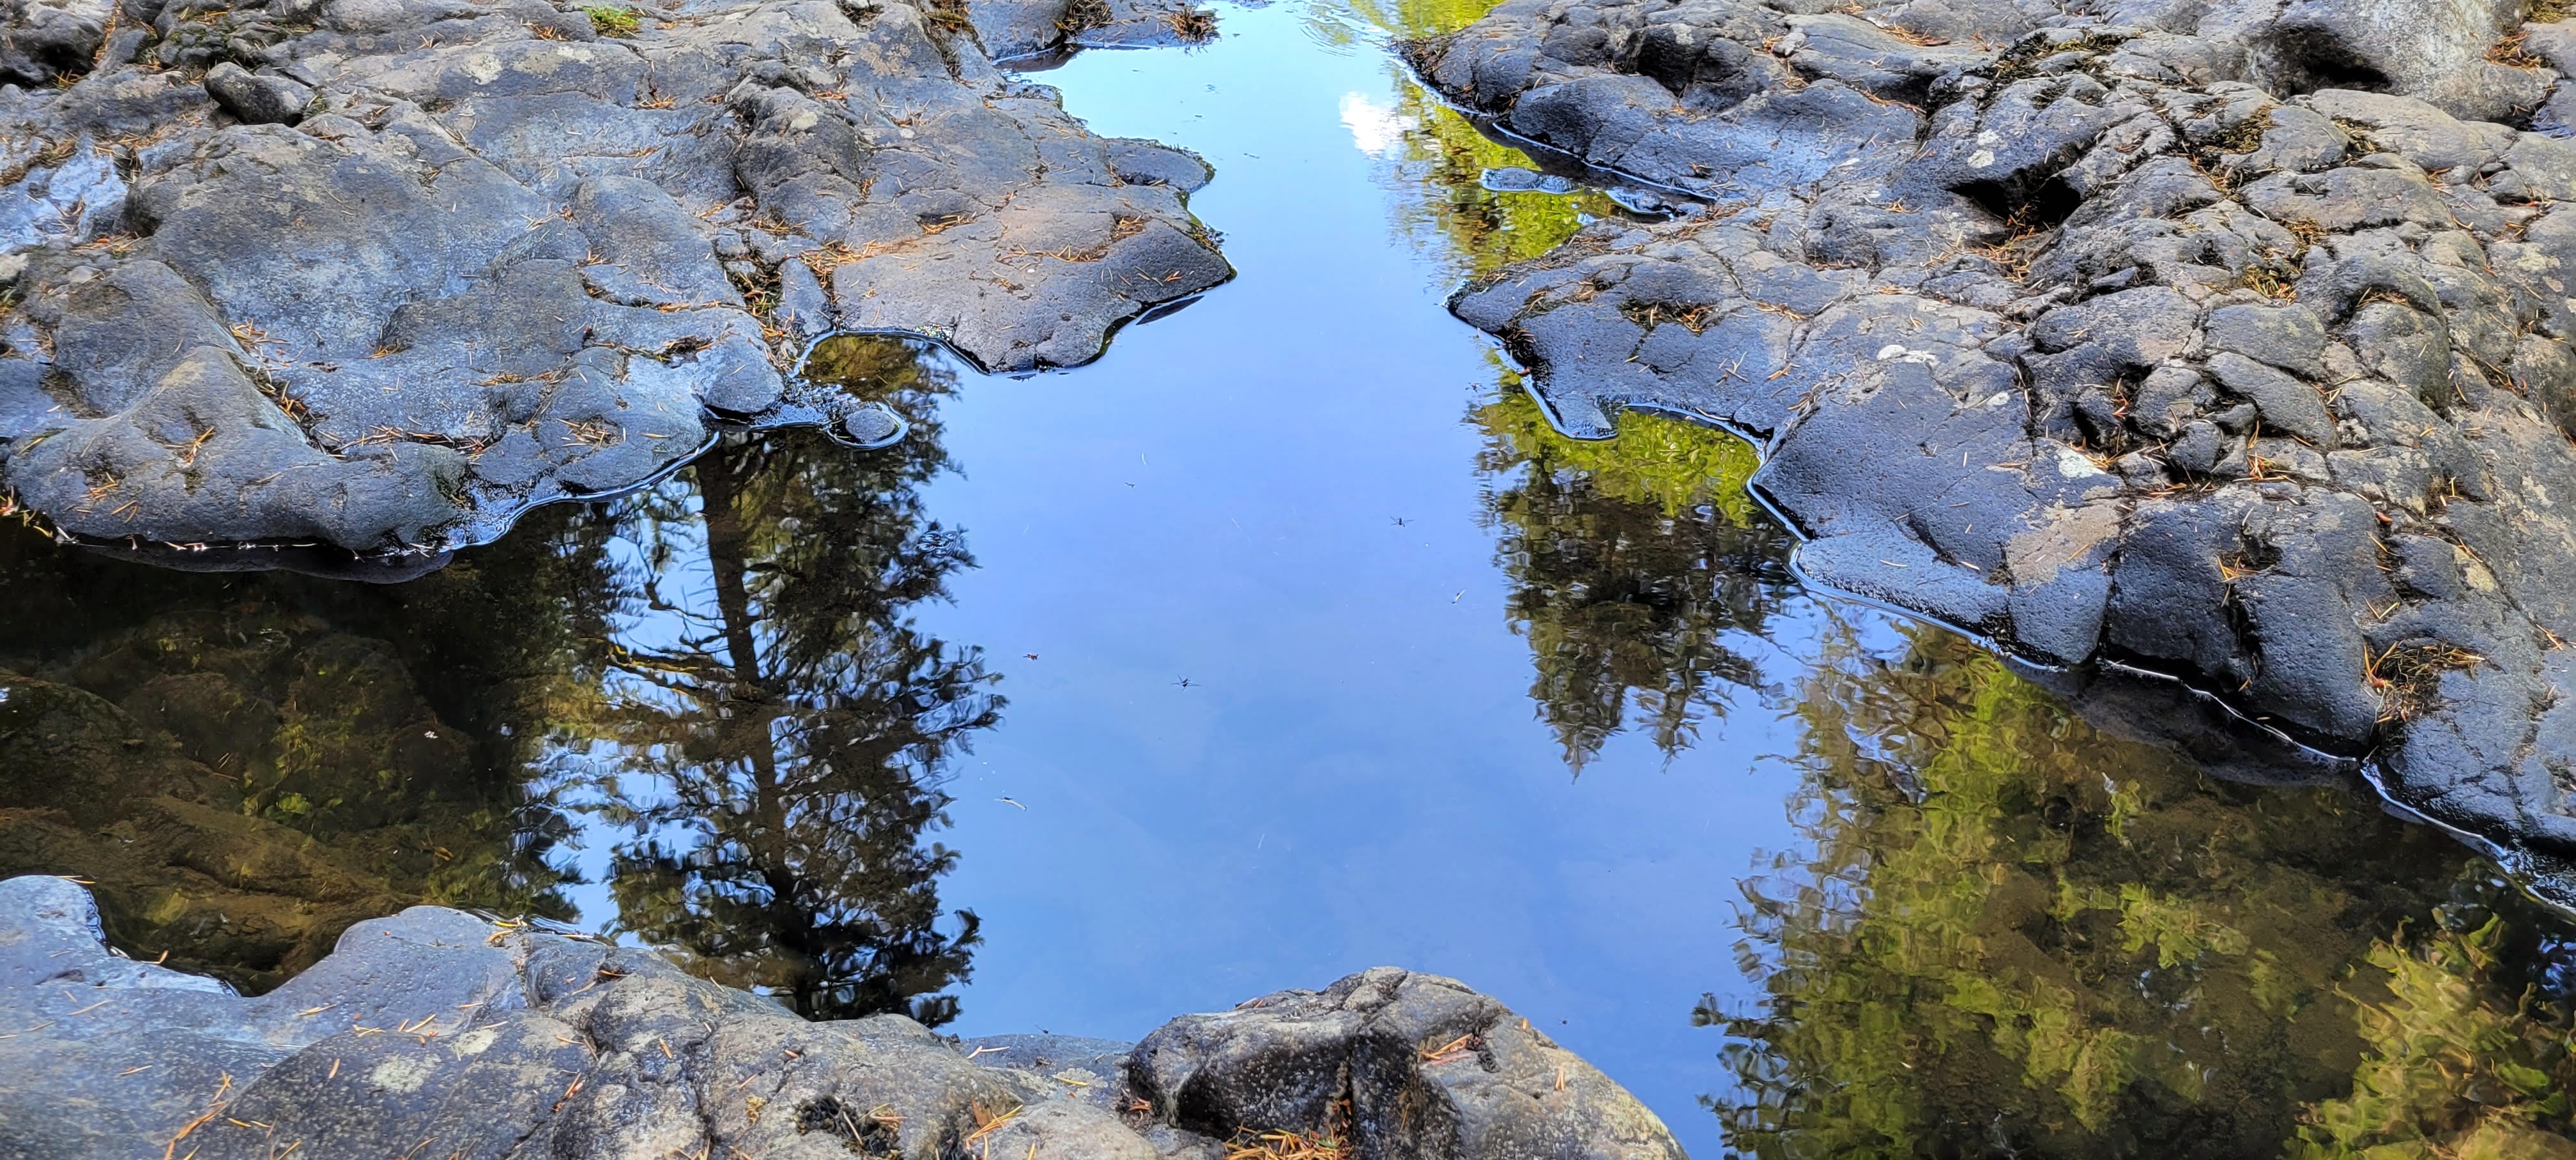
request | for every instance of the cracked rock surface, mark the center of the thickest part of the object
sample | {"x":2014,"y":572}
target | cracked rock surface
{"x":2223,"y":342}
{"x":495,"y":1040}
{"x":380,"y":274}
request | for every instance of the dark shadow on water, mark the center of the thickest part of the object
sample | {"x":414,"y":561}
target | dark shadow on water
{"x":721,"y":671}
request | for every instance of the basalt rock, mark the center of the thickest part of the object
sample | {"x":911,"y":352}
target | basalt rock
{"x":437,"y":1033}
{"x":380,"y":274}
{"x":2116,"y":337}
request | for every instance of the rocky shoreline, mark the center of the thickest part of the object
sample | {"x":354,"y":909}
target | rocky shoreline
{"x":2137,"y":335}
{"x":438,"y":1033}
{"x":2226,"y":343}
{"x":378,"y":275}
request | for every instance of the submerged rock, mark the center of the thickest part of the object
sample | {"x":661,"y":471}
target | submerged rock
{"x":2119,"y":336}
{"x":379,"y":274}
{"x":438,"y":1033}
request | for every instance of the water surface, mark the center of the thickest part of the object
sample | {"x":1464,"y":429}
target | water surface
{"x":1286,"y":641}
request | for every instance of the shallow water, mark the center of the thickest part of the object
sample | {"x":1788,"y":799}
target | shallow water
{"x":1285,"y":641}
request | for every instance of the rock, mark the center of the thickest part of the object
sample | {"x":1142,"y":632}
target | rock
{"x":257,"y":100}
{"x":407,"y":267}
{"x":1396,"y":1064}
{"x":42,"y":40}
{"x":444,"y":1034}
{"x":175,"y":1043}
{"x":2291,"y":337}
{"x":1689,"y":97}
{"x":2285,"y":403}
{"x":2149,"y":349}
{"x":874,"y":425}
{"x":2435,"y":50}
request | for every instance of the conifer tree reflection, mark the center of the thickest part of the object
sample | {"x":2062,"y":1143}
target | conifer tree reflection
{"x":1633,"y":562}
{"x":783,"y":726}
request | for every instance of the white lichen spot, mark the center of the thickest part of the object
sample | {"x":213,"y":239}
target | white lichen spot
{"x":474,"y":1042}
{"x":1897,"y":352}
{"x":2474,"y":570}
{"x":2073,"y":465}
{"x":483,"y":67}
{"x":405,"y":1074}
{"x":1981,"y":158}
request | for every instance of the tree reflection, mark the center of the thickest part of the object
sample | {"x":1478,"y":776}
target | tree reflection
{"x":1438,"y":172}
{"x":781,"y":727}
{"x":2011,"y":935}
{"x":1637,"y":566}
{"x":2472,"y":1051}
{"x":247,"y":763}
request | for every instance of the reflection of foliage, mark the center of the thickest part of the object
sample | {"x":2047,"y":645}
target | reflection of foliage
{"x":1442,"y":203}
{"x":2470,"y":1054}
{"x":2015,"y":936}
{"x":247,"y":763}
{"x":785,"y":725}
{"x":1438,"y":168}
{"x":878,"y":368}
{"x":1419,"y":18}
{"x":1633,"y":557}
{"x":1632,"y":560}
{"x":1672,"y":465}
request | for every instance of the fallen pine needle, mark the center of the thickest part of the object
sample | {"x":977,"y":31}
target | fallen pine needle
{"x":184,"y":1129}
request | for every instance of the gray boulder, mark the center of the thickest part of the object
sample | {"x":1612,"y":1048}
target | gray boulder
{"x":2434,"y":50}
{"x":43,"y":40}
{"x":1392,"y":1064}
{"x":438,"y":1033}
{"x":257,"y":100}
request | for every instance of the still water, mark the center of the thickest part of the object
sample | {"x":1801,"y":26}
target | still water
{"x":1285,"y":641}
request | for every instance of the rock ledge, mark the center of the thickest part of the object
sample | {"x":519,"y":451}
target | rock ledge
{"x":380,"y":274}
{"x":436,"y":1033}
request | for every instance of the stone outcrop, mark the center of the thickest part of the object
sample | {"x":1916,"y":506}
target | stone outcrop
{"x":381,"y":274}
{"x":2121,"y":336}
{"x":437,"y":1033}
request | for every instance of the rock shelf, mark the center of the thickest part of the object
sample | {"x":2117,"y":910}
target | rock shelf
{"x":2226,"y":342}
{"x":380,"y":274}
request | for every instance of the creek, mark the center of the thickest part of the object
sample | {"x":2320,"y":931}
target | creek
{"x":1286,"y":640}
